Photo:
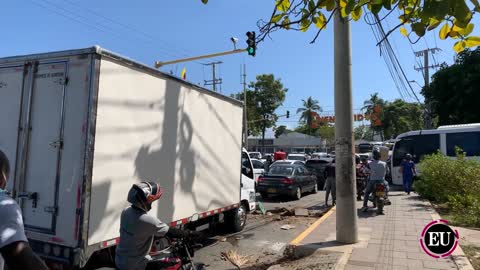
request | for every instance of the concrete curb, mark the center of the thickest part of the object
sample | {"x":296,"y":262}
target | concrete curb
{"x":458,"y":256}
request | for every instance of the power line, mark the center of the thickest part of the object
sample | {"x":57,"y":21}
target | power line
{"x":86,"y":21}
{"x":399,"y":72}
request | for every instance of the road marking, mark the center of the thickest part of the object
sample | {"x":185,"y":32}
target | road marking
{"x":312,"y":227}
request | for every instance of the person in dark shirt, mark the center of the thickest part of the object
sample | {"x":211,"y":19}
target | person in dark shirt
{"x":330,"y":187}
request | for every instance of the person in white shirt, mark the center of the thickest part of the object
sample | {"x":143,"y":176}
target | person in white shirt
{"x":15,"y":252}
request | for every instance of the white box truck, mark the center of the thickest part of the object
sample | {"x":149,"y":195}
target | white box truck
{"x":81,"y":126}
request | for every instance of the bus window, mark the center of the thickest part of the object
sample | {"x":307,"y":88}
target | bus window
{"x":418,"y":146}
{"x":468,"y":141}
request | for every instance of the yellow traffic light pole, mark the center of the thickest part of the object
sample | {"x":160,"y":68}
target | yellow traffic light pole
{"x":159,"y":64}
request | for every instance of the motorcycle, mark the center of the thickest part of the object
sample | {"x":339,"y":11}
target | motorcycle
{"x":379,"y":196}
{"x":178,"y":255}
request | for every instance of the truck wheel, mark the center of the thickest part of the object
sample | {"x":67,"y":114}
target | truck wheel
{"x":298,"y":194}
{"x":264,"y":195}
{"x":237,"y":219}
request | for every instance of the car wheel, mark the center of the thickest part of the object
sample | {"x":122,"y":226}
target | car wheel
{"x":315,"y":188}
{"x":298,"y":194}
{"x":264,"y":195}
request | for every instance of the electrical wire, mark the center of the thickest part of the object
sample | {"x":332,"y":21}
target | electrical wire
{"x":86,"y":21}
{"x":397,"y":72}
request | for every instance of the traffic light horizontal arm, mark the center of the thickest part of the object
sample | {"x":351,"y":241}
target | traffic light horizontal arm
{"x":160,"y":64}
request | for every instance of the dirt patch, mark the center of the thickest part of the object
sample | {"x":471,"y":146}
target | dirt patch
{"x":473,"y":254}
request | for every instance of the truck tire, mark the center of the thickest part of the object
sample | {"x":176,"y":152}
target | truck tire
{"x":264,"y":195}
{"x":237,"y":219}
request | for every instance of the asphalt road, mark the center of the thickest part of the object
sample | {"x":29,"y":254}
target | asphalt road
{"x":262,"y":240}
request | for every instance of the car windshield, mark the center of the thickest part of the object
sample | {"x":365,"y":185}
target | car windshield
{"x":281,"y":170}
{"x":296,"y":158}
{"x":254,"y":155}
{"x":316,"y":164}
{"x":282,"y":163}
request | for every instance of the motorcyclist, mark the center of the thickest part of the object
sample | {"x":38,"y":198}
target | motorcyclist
{"x":363,"y":172}
{"x":138,"y":229}
{"x":378,"y":170}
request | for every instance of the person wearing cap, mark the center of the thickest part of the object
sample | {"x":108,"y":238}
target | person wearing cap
{"x":408,"y":172}
{"x":15,"y":252}
{"x":138,"y":230}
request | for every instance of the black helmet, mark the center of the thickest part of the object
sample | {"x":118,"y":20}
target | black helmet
{"x":376,"y":154}
{"x":142,"y":195}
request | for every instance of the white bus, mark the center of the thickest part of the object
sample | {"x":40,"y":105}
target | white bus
{"x":424,"y":142}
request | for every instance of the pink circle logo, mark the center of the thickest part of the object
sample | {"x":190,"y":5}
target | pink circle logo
{"x":438,"y":239}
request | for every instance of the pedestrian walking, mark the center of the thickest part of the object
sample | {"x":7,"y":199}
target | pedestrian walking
{"x":15,"y":252}
{"x":330,"y":186}
{"x":408,"y":172}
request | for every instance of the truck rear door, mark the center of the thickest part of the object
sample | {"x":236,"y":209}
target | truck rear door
{"x":38,"y":97}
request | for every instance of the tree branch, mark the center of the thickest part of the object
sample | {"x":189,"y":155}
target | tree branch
{"x":324,"y":25}
{"x":389,"y":32}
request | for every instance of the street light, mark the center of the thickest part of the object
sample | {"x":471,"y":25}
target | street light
{"x":413,"y":81}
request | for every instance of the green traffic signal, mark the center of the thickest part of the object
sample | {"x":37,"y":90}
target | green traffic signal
{"x":252,"y":46}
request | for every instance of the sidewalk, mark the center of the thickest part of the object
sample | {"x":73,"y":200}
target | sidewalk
{"x":389,"y":241}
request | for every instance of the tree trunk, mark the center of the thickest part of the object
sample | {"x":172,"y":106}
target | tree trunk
{"x":263,"y":138}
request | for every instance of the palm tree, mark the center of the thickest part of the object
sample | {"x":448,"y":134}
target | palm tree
{"x":369,"y":107}
{"x":309,"y":106}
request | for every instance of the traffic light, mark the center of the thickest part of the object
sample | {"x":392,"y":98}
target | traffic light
{"x":252,"y":46}
{"x":288,"y":114}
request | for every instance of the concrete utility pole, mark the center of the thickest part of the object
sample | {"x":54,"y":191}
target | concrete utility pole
{"x":347,"y":231}
{"x":214,"y":81}
{"x":245,"y":106}
{"x":427,"y":121}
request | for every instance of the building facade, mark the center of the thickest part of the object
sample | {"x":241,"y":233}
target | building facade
{"x":291,"y":142}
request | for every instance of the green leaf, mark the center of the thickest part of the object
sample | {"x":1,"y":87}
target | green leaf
{"x":462,"y":13}
{"x":376,"y":2}
{"x":459,"y":46}
{"x":357,"y":13}
{"x":460,"y":24}
{"x":205,"y":1}
{"x":350,"y":6}
{"x":276,"y":18}
{"x":311,"y":5}
{"x":375,"y":8}
{"x":285,"y":23}
{"x":475,"y":3}
{"x":320,"y":21}
{"x":304,"y":25}
{"x":282,"y":5}
{"x":444,"y":31}
{"x":322,"y":3}
{"x":403,"y":31}
{"x":402,"y":19}
{"x":387,"y":4}
{"x":419,"y":29}
{"x":472,"y":41}
{"x":343,"y":3}
{"x":434,"y":23}
{"x":330,"y":5}
{"x":468,"y":30}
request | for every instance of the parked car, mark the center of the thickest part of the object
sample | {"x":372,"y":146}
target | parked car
{"x":320,"y":155}
{"x":301,"y":157}
{"x":288,"y":162}
{"x":291,"y":180}
{"x":317,"y":166}
{"x":255,"y":155}
{"x":258,"y":168}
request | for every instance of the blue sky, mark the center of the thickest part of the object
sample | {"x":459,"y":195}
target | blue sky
{"x":169,"y":29}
